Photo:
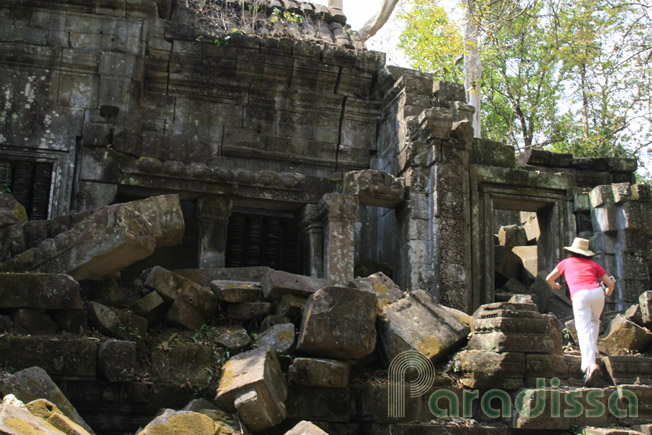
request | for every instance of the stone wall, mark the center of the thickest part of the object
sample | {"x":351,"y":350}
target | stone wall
{"x":253,"y":117}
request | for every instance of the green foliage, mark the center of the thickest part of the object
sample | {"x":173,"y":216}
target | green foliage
{"x":431,"y":41}
{"x":566,"y":75}
{"x":285,"y":15}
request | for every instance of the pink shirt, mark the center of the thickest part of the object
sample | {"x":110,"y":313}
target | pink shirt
{"x":580,"y":274}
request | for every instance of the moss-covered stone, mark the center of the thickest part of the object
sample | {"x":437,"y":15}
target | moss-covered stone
{"x":74,"y":358}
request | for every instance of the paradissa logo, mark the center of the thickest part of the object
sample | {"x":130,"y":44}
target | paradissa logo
{"x":497,"y":403}
{"x":532,"y":402}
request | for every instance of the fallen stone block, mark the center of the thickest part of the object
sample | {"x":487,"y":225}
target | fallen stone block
{"x":375,"y":187}
{"x":184,"y":315}
{"x":192,"y":304}
{"x":117,"y":323}
{"x":560,"y":305}
{"x":634,"y":314}
{"x":71,"y":321}
{"x":490,"y":369}
{"x":382,"y":286}
{"x":513,"y":285}
{"x":538,"y":365}
{"x":290,"y":306}
{"x":305,"y":428}
{"x":506,"y":263}
{"x":11,"y":211}
{"x":228,"y":423}
{"x":258,"y":411}
{"x":233,"y":338}
{"x":624,"y":337}
{"x":319,"y":403}
{"x":243,"y":311}
{"x":151,"y":306}
{"x":276,"y":283}
{"x":279,"y":337}
{"x":34,"y":322}
{"x":205,"y":276}
{"x":49,"y":412}
{"x":256,"y":371}
{"x":39,"y":290}
{"x":109,"y":240}
{"x":16,"y":419}
{"x":512,"y":235}
{"x":498,"y":341}
{"x":320,"y":372}
{"x":645,"y":304}
{"x":609,"y":431}
{"x":181,"y":422}
{"x":272,"y":320}
{"x":552,"y":330}
{"x":34,"y":383}
{"x":542,"y":291}
{"x":339,"y":322}
{"x":165,"y":215}
{"x":628,"y":369}
{"x":105,"y":291}
{"x":171,"y":286}
{"x":417,"y":322}
{"x":237,"y":291}
{"x":116,"y":360}
{"x":371,"y":402}
{"x":182,"y":364}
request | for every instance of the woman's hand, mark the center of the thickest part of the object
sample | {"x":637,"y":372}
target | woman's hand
{"x":609,"y":283}
{"x":550,"y":279}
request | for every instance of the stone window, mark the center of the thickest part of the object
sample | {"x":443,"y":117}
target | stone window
{"x":263,"y":239}
{"x":30,"y":183}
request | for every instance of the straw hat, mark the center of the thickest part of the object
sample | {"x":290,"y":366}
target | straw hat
{"x":580,"y":246}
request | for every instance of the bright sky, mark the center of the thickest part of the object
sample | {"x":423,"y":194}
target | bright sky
{"x":359,"y":11}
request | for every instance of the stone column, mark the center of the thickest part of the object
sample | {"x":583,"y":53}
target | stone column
{"x":213,"y":218}
{"x":311,"y":231}
{"x":338,"y":212}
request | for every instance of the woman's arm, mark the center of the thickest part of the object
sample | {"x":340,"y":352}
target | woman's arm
{"x":609,"y":283}
{"x":550,"y":279}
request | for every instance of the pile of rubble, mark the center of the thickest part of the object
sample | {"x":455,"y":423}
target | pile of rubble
{"x":232,"y":350}
{"x":265,"y":340}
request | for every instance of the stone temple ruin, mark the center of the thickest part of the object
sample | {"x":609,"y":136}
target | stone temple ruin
{"x":233,"y":212}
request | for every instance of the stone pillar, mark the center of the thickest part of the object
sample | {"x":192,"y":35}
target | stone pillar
{"x":213,"y":218}
{"x":338,"y":212}
{"x":622,"y":225}
{"x":311,"y":232}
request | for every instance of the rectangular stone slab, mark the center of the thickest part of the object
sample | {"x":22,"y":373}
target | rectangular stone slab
{"x":256,"y":369}
{"x":109,"y":240}
{"x":276,"y":283}
{"x":74,"y":358}
{"x":39,"y":290}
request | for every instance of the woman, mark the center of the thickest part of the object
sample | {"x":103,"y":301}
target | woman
{"x":582,"y":275}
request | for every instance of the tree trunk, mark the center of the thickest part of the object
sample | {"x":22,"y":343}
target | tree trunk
{"x":336,"y":4}
{"x":472,"y":65}
{"x":585,"y":101}
{"x":374,"y":24}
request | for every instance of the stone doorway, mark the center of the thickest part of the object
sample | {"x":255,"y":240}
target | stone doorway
{"x":548,"y":209}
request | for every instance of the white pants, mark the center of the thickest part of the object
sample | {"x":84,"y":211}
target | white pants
{"x":587,"y":307}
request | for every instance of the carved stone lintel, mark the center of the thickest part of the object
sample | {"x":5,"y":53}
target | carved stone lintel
{"x":375,"y":187}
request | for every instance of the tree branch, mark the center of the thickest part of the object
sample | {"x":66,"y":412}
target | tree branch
{"x":374,"y":24}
